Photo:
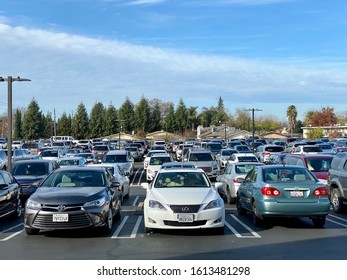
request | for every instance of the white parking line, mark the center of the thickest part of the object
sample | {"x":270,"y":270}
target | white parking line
{"x":255,"y":235}
{"x":115,"y":235}
{"x":135,"y":200}
{"x":337,"y":217}
{"x":13,"y":234}
{"x":136,"y":227}
{"x":344,"y":225}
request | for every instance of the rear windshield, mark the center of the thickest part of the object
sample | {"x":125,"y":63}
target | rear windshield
{"x":312,"y":149}
{"x":201,"y":157}
{"x":247,"y":159}
{"x":274,"y":149}
{"x":319,"y":164}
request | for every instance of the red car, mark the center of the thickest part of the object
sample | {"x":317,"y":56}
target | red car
{"x":318,"y":164}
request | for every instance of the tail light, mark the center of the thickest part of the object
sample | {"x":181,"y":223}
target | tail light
{"x":235,"y":180}
{"x":322,"y":191}
{"x":266,"y":153}
{"x":268,"y":191}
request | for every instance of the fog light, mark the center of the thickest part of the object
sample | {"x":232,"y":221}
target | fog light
{"x":219,"y":220}
{"x":151,"y":221}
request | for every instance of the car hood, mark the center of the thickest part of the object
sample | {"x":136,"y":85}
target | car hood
{"x":184,"y":195}
{"x":68,"y":195}
{"x":25,"y":179}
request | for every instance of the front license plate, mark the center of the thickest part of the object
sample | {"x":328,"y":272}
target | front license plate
{"x":60,"y":218}
{"x":185,"y":218}
{"x":296,"y":194}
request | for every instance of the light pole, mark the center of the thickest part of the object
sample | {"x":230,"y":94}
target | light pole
{"x":120,"y":129}
{"x":253,"y":125}
{"x":9,"y":81}
{"x":225,"y":131}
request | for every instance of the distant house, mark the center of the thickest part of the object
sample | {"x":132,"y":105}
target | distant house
{"x":327,"y":130}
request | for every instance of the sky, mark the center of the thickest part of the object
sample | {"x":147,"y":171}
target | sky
{"x":254,"y":54}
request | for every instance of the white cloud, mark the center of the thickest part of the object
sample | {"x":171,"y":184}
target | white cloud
{"x":67,"y":69}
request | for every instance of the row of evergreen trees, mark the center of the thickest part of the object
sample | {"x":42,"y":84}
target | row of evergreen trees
{"x":145,"y":117}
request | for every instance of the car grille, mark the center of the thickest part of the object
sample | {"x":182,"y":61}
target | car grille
{"x":177,"y":224}
{"x":207,"y":169}
{"x":185,"y":208}
{"x":76,"y":220}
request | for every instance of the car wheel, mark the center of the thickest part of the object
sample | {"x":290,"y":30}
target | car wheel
{"x":336,"y":201}
{"x":31,"y":231}
{"x":109,"y":221}
{"x":18,"y":213}
{"x":256,"y":220}
{"x":318,"y":222}
{"x":240,"y":209}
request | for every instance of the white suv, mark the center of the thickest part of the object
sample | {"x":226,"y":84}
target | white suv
{"x":155,"y":163}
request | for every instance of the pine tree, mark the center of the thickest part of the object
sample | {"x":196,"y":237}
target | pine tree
{"x":32,"y":122}
{"x":80,"y":123}
{"x":97,"y":120}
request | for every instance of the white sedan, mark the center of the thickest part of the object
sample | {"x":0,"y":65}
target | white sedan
{"x":183,"y":198}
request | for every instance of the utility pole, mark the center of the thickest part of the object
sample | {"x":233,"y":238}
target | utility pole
{"x":253,"y":126}
{"x":9,"y":81}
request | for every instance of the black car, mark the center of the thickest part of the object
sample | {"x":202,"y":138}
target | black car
{"x":29,"y":173}
{"x":74,"y":198}
{"x":10,"y":196}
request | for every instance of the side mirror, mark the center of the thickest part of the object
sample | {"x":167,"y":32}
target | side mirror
{"x":240,"y":180}
{"x":115,"y":184}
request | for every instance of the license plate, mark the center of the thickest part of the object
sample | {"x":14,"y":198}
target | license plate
{"x":60,"y":218}
{"x":185,"y":218}
{"x":296,"y":194}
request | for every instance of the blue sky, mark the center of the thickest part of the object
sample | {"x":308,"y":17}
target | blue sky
{"x":263,"y":54}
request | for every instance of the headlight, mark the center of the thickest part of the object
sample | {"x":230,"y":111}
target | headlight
{"x":95,"y":203}
{"x":215,"y":165}
{"x":213,"y":204}
{"x":156,"y":205}
{"x":33,"y":205}
{"x":150,"y":171}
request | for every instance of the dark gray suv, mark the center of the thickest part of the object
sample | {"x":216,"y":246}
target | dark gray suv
{"x":337,"y":182}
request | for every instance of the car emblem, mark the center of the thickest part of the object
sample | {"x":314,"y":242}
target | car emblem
{"x":185,"y":209}
{"x":61,"y":208}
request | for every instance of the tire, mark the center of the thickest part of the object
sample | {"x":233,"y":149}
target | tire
{"x":109,"y":222}
{"x":19,"y":210}
{"x":336,"y":201}
{"x":31,"y":231}
{"x":240,"y":209}
{"x":255,"y":219}
{"x":318,"y":222}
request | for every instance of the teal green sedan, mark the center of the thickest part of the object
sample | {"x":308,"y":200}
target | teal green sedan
{"x":282,"y":191}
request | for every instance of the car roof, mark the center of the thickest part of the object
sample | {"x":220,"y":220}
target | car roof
{"x":117,"y":152}
{"x":180,"y":169}
{"x":319,"y":155}
{"x":31,"y":161}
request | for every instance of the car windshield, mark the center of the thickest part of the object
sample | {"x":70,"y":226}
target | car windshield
{"x":287,"y":174}
{"x":30,"y":169}
{"x":201,"y":157}
{"x":181,"y":179}
{"x":49,"y":153}
{"x":69,"y":162}
{"x":227,"y":152}
{"x":115,"y":158}
{"x":159,"y":160}
{"x":318,"y":164}
{"x":243,"y":169}
{"x":88,"y":178}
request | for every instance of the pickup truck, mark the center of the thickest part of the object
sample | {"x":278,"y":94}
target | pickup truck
{"x":337,"y":182}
